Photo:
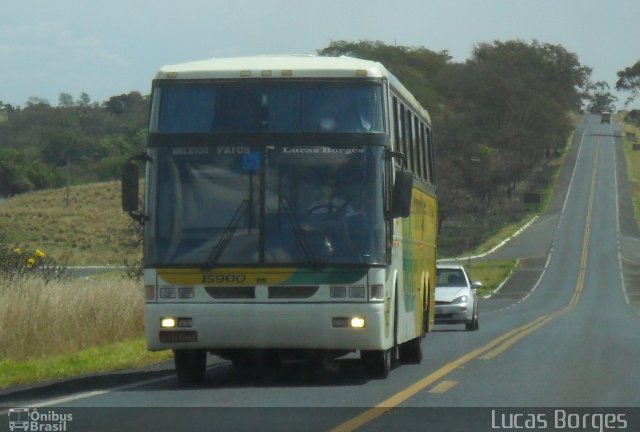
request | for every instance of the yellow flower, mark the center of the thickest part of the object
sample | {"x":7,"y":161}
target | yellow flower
{"x":31,"y":262}
{"x":18,"y":251}
{"x":39,"y":253}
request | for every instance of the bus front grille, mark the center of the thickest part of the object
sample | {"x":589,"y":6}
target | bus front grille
{"x":231,"y":293}
{"x":292,"y":292}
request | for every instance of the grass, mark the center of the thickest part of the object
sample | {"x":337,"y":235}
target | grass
{"x":120,"y":355}
{"x":71,"y":327}
{"x":90,"y":229}
{"x":38,"y":320}
{"x":491,"y":274}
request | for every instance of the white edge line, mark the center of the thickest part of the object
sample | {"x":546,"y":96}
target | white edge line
{"x":90,"y":394}
{"x":524,"y":227}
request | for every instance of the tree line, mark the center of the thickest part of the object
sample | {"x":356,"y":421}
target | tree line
{"x":43,"y":147}
{"x":499,"y":118}
{"x":629,"y":81}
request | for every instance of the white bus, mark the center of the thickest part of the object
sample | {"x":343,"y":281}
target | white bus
{"x":290,"y":213}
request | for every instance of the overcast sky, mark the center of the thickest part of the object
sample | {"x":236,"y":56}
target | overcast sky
{"x":110,"y":47}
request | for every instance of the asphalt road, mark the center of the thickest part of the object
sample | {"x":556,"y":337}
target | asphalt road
{"x":559,"y":346}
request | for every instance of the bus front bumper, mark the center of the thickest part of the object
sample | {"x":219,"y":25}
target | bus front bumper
{"x":262,"y":326}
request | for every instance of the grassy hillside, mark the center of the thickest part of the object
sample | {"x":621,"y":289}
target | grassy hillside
{"x":91,"y":229}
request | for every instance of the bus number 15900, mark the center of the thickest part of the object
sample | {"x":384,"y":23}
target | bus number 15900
{"x":224,"y":278}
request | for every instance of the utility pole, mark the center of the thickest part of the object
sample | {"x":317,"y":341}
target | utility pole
{"x":68,"y":181}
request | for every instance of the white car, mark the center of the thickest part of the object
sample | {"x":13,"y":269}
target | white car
{"x":456,"y":298}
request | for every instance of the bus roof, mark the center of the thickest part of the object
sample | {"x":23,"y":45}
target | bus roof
{"x":301,"y":66}
{"x":286,"y":66}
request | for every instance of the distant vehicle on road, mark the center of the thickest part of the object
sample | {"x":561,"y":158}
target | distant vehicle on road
{"x":456,"y":298}
{"x":605,"y":117}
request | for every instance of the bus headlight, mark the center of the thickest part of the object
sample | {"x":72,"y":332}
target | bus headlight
{"x":358,"y":322}
{"x":168,"y":323}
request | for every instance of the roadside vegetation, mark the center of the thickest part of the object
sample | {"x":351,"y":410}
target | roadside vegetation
{"x":491,"y":273}
{"x":84,"y":226}
{"x":70,"y":327}
{"x":501,"y":120}
{"x":631,"y":138}
{"x":53,"y":325}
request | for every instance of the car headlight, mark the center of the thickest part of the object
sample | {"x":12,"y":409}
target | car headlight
{"x":460,"y":300}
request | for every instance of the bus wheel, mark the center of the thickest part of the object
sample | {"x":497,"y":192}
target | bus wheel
{"x":411,"y":351}
{"x":191,"y":365}
{"x":377,"y":363}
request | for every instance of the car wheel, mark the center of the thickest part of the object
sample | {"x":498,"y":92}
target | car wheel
{"x":473,"y":324}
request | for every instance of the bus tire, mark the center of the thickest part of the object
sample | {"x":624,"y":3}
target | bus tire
{"x":426,"y":315}
{"x":191,"y":366}
{"x":411,"y":351}
{"x":376,"y":363}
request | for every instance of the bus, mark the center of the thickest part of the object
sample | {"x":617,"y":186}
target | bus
{"x":289,"y":214}
{"x":605,"y":117}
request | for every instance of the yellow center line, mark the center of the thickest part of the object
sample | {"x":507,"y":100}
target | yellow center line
{"x":420,"y":385}
{"x":508,"y":343}
{"x":491,"y":349}
{"x":443,"y":387}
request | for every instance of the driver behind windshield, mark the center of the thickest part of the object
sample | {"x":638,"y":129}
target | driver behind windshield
{"x":330,"y":202}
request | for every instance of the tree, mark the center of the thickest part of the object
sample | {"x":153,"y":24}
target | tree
{"x":601,"y":98}
{"x":124,"y":103}
{"x":629,"y":80}
{"x":34,"y":101}
{"x":6,"y":108}
{"x":65,"y":100}
{"x":84,"y":100}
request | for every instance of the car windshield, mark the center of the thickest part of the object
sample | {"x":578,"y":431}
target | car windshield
{"x":450,"y":278}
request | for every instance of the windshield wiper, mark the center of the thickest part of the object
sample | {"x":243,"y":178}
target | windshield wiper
{"x":299,"y":234}
{"x":226,"y":236}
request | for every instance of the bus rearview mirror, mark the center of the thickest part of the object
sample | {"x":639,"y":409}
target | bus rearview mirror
{"x":402,"y":191}
{"x":130,"y":180}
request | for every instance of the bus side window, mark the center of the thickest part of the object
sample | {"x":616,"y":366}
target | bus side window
{"x":402,"y":146}
{"x":408,"y":139}
{"x":395,"y":124}
{"x":430,"y":154}
{"x":424,"y":154}
{"x":418,"y":147}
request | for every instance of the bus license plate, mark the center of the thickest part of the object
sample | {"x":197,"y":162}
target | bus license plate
{"x":178,"y":336}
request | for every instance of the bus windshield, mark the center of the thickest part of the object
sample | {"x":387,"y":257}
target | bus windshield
{"x":267,"y":106}
{"x":241,"y":205}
